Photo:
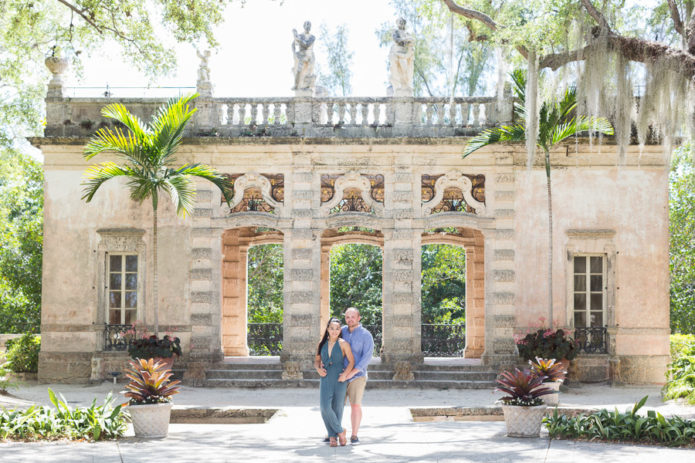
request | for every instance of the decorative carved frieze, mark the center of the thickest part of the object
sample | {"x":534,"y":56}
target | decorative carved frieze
{"x":352,"y":192}
{"x":255,"y":192}
{"x":453,"y":192}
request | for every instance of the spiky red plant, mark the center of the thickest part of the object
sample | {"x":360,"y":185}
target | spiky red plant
{"x":149,"y":382}
{"x":523,"y":387}
{"x":549,"y":369}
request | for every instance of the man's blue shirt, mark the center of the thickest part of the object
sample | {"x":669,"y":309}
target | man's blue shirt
{"x":362,"y":345}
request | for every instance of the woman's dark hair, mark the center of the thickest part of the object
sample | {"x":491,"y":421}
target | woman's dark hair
{"x":325,"y":334}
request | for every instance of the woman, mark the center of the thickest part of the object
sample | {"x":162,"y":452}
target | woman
{"x":329,"y":363}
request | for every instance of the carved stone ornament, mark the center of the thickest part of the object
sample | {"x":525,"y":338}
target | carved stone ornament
{"x":257,"y":182}
{"x":453,"y":181}
{"x":349,"y":184}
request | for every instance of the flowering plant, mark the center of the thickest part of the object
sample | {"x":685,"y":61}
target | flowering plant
{"x":523,"y":388}
{"x":150,"y":383}
{"x":548,"y":344}
{"x":548,"y":369}
{"x":152,"y":346}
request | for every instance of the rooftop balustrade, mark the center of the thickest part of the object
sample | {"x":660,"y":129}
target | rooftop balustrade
{"x":296,"y":116}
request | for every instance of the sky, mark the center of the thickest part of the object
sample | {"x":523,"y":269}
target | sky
{"x":254,"y":57}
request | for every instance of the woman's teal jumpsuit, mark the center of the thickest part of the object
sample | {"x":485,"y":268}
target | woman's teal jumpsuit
{"x":332,"y":396}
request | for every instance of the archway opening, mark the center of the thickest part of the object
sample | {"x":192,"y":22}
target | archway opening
{"x":453,"y":293}
{"x":252,"y":291}
{"x":352,"y":262}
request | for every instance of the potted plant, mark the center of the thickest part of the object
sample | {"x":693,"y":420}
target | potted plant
{"x":552,"y":374}
{"x":548,"y":344}
{"x":152,"y":347}
{"x":150,"y":390}
{"x":523,"y":406}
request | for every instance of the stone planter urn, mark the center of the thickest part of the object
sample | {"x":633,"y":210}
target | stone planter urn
{"x":554,"y":398}
{"x":523,"y":421}
{"x":150,"y":420}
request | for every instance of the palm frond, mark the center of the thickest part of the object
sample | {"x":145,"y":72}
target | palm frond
{"x":125,"y":145}
{"x":120,"y":113}
{"x":182,"y":192}
{"x":495,"y":135}
{"x":210,"y":174}
{"x":168,"y":125}
{"x":142,"y":186}
{"x":96,"y":175}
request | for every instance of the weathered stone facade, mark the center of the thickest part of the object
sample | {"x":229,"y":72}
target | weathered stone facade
{"x":306,"y":176}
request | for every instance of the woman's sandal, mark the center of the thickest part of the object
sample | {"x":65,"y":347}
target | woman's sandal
{"x":333,"y":442}
{"x":343,"y":438}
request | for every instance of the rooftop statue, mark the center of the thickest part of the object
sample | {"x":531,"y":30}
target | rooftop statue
{"x":303,"y":52}
{"x":402,"y":60}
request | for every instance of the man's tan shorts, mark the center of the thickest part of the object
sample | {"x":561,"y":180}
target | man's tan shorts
{"x":355,"y":390}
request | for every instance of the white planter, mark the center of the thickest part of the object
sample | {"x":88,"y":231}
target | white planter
{"x":554,"y":398}
{"x":151,"y":420}
{"x":523,"y":421}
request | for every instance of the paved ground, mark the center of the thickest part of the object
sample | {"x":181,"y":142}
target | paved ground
{"x":388,"y":434}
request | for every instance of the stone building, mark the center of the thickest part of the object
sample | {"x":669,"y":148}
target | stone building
{"x":313,"y":172}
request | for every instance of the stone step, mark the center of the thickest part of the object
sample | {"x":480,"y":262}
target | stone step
{"x":455,"y":375}
{"x":247,"y":366}
{"x":255,"y":373}
{"x":371,"y":384}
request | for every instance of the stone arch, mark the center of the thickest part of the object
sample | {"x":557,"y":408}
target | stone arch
{"x":235,"y":245}
{"x":335,"y":236}
{"x":473,"y":242}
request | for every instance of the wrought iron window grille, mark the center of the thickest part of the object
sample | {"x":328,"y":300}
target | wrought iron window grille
{"x":592,"y":340}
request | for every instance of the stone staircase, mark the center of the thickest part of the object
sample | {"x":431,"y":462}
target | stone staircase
{"x":260,"y":372}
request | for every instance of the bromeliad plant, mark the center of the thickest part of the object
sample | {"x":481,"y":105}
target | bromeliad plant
{"x":548,"y":369}
{"x":523,"y":388}
{"x":150,"y":383}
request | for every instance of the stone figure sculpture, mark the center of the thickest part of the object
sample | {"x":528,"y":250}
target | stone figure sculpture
{"x":303,"y":52}
{"x":204,"y":67}
{"x":402,"y":60}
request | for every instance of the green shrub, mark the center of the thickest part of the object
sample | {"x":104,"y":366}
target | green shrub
{"x":680,"y":376}
{"x":23,"y":353}
{"x":96,"y":422}
{"x":653,"y":428}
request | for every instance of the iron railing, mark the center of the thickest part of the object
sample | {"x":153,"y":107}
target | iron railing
{"x":443,"y":340}
{"x":115,"y":338}
{"x":264,"y":338}
{"x":592,"y":340}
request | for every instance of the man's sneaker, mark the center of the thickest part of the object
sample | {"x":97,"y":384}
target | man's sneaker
{"x":354,"y":440}
{"x":327,"y":439}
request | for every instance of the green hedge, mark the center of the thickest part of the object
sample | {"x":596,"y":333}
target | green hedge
{"x":96,"y":422}
{"x":604,"y":425}
{"x":680,"y":376}
{"x":23,"y":353}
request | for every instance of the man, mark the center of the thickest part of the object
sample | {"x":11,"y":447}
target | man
{"x":362,"y":345}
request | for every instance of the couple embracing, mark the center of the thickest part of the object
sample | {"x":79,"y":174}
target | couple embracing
{"x":341,"y":360}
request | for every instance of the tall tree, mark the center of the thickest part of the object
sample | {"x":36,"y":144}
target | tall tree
{"x":682,"y":242}
{"x":443,"y":283}
{"x":148,"y":152}
{"x":557,"y":121}
{"x":265,"y":283}
{"x":21,"y":235}
{"x":356,"y":281}
{"x":337,"y":81}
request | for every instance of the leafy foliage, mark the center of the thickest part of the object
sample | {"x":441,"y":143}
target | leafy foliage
{"x":152,"y":347}
{"x":548,"y":369}
{"x":150,"y":383}
{"x":681,"y":242}
{"x":96,"y":422}
{"x":547,"y":344}
{"x":629,"y":426}
{"x":265,"y":283}
{"x":680,"y":376}
{"x":356,"y":281}
{"x":443,"y":284}
{"x":522,"y":387}
{"x":21,"y":235}
{"x":23,"y":353}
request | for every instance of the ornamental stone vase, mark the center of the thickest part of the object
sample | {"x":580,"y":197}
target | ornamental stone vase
{"x":554,"y":398}
{"x":150,"y":420}
{"x":523,"y":421}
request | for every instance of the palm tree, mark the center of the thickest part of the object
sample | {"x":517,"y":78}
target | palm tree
{"x":148,"y":154}
{"x":557,"y":121}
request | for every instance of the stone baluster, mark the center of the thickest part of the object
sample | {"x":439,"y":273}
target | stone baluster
{"x":476,"y":114}
{"x":490,"y":116}
{"x":264,"y":109}
{"x":254,"y":114}
{"x":277,"y":113}
{"x":464,"y":114}
{"x":364,"y":109}
{"x":377,"y":113}
{"x":341,"y":113}
{"x":353,"y":113}
{"x":452,"y":113}
{"x":428,"y":113}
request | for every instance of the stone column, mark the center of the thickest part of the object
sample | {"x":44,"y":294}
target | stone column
{"x":325,"y":285}
{"x":302,"y":273}
{"x":234,"y":313}
{"x":401,"y":278}
{"x":475,"y":298}
{"x":500,"y":277}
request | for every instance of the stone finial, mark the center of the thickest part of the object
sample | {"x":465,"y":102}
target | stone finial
{"x":303,"y":54}
{"x":402,"y":61}
{"x":204,"y":84}
{"x":57,"y":66}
